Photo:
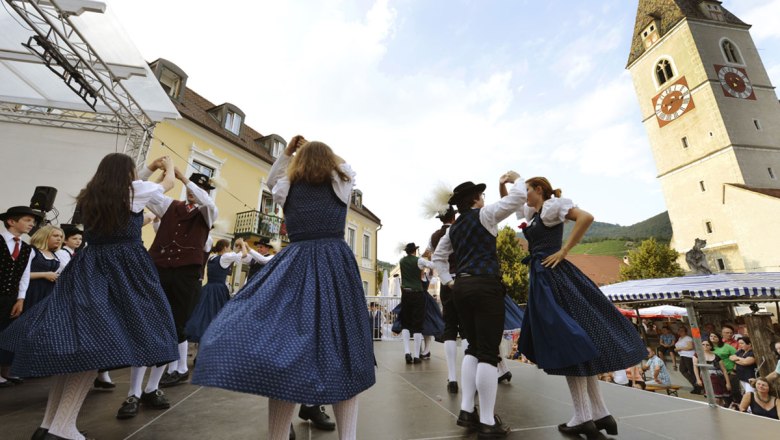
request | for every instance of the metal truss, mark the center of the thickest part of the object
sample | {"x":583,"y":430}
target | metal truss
{"x":65,"y":51}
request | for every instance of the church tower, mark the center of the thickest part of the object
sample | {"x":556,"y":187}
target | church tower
{"x":713,"y":120}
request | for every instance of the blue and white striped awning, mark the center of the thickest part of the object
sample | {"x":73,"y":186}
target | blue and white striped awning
{"x":721,"y":286}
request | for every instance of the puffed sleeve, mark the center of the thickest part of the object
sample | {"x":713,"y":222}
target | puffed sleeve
{"x":525,"y":212}
{"x":554,"y":210}
{"x":344,"y":189}
{"x":144,"y":193}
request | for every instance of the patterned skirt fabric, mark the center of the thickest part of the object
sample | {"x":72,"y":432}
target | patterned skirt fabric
{"x":298,"y":331}
{"x":213,"y":297}
{"x":107,"y":310}
{"x":38,"y":290}
{"x":612,"y":339}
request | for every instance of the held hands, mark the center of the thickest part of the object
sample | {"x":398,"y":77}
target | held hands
{"x":179,"y":175}
{"x":296,"y":142}
{"x":509,"y":176}
{"x":553,"y":260}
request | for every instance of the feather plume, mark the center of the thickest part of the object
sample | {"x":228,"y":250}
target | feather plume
{"x":276,"y":243}
{"x":219,"y":182}
{"x":436,"y":204}
{"x":401,"y":248}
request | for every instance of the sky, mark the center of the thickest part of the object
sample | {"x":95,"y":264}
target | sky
{"x":414,"y":94}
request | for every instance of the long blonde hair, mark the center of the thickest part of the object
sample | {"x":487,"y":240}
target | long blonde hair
{"x":314,"y":163}
{"x":40,"y":240}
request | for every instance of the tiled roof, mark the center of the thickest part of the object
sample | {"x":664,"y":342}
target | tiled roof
{"x":196,"y":108}
{"x":602,"y":269}
{"x":669,"y":12}
{"x":771,"y":192}
{"x":365,"y":212}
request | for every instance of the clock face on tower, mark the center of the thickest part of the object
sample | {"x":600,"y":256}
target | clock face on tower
{"x":673,"y":102}
{"x":735,"y":82}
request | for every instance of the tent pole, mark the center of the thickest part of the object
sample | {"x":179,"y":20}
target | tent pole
{"x":702,"y":365}
{"x":639,"y":323}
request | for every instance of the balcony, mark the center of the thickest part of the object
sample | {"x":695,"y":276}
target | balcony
{"x":256,"y":223}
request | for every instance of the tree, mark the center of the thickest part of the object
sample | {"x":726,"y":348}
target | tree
{"x":651,"y":260}
{"x":514,"y":274}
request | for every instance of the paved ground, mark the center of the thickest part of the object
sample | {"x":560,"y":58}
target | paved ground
{"x":408,"y":402}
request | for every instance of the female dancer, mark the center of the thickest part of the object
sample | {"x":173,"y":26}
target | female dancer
{"x":45,"y":266}
{"x":305,"y":307}
{"x":107,"y":310}
{"x":215,"y":293}
{"x":570,"y":328}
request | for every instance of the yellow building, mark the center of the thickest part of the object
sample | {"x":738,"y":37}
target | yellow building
{"x":214,"y":140}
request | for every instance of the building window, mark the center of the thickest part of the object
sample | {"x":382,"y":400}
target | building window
{"x":366,"y":246}
{"x":171,"y":83}
{"x":650,"y":34}
{"x":277,"y":148}
{"x":267,"y":204}
{"x":757,"y":123}
{"x":351,"y":238}
{"x":233,"y":122}
{"x":721,"y":264}
{"x":708,"y":226}
{"x":685,"y":142}
{"x":365,"y":287}
{"x":203,"y":169}
{"x":663,"y":71}
{"x":701,"y":185}
{"x":730,"y":51}
{"x":771,"y":173}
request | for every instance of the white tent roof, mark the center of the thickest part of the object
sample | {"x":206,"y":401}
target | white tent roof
{"x":24,"y":79}
{"x":721,"y":286}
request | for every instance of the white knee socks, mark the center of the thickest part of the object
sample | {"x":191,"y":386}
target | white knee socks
{"x":426,"y":349}
{"x":578,"y":386}
{"x":173,"y":366}
{"x":502,"y":368}
{"x":182,"y":365}
{"x":417,"y":343}
{"x":136,"y":381}
{"x":451,"y":352}
{"x":154,"y":379}
{"x":487,"y":386}
{"x":598,"y":407}
{"x":468,"y":379}
{"x":74,"y":391}
{"x":55,"y":394}
{"x":280,"y":414}
{"x":104,"y":377}
{"x":346,"y":418}
{"x":405,"y":337}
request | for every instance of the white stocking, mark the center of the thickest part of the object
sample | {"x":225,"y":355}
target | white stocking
{"x":578,"y":386}
{"x":154,"y":379}
{"x":173,"y":366}
{"x":465,"y":344}
{"x":347,"y":418}
{"x":55,"y":394}
{"x":487,"y":386}
{"x":104,"y":377}
{"x":182,"y":365}
{"x":596,"y":400}
{"x":426,"y":345}
{"x":468,"y":379}
{"x":280,"y":414}
{"x":74,"y":391}
{"x":405,"y":337}
{"x":417,"y":343}
{"x":136,"y":381}
{"x":451,"y":351}
{"x":502,"y":368}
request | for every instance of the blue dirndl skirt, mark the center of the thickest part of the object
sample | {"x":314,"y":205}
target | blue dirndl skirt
{"x":213,"y":297}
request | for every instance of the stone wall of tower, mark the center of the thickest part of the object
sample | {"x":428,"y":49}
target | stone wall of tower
{"x":754,"y":218}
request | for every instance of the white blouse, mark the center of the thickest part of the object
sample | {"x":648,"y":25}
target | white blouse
{"x":228,"y":258}
{"x":145,"y":193}
{"x":554,"y":211}
{"x":280,"y":183}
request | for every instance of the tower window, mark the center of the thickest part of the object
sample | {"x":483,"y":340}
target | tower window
{"x":708,"y":226}
{"x":730,"y":51}
{"x":685,"y":142}
{"x":721,"y":264}
{"x":757,"y":123}
{"x":663,"y":71}
{"x":771,"y":173}
{"x":701,"y":185}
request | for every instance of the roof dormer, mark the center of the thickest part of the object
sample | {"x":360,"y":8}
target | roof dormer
{"x":712,"y":10}
{"x":172,"y":79}
{"x":357,"y":198}
{"x":274,"y":144}
{"x":651,"y":33}
{"x":229,"y":116}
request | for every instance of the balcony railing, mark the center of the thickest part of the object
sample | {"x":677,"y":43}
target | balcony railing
{"x":264,"y":225}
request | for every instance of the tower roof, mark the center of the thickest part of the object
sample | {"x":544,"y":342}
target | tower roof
{"x":668,"y":13}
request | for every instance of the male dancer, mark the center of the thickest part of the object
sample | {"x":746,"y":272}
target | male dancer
{"x":15,"y":259}
{"x":478,"y":295}
{"x":412,"y":301}
{"x":258,"y":258}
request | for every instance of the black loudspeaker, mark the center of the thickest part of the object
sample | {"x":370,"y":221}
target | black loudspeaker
{"x":43,"y":198}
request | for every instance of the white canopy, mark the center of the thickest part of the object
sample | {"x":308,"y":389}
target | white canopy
{"x":721,"y":286}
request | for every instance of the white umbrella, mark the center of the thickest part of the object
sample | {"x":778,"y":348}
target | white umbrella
{"x":385,"y":289}
{"x":664,"y":310}
{"x":396,"y":286}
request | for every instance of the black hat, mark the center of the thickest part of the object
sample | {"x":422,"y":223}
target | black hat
{"x":202,"y":181}
{"x":21,"y":211}
{"x":71,"y":229}
{"x":263,"y":242}
{"x":448,"y":213}
{"x":464,"y":189}
{"x":410,"y":247}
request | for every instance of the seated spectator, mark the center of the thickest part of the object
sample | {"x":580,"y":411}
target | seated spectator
{"x":775,"y":374}
{"x":657,"y":369}
{"x":721,"y":386}
{"x":760,"y":402}
{"x":746,"y":364}
{"x":635,"y":377}
{"x":667,"y":341}
{"x":619,"y":377}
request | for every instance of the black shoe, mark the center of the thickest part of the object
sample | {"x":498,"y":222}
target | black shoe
{"x":292,"y":432}
{"x":318,"y":417}
{"x":496,"y":430}
{"x":174,"y":379}
{"x":416,"y":361}
{"x":588,"y":428}
{"x":505,"y":377}
{"x":103,"y":386}
{"x":468,"y":420}
{"x":155,"y":400}
{"x":6,"y":384}
{"x":39,"y":434}
{"x":425,"y":356}
{"x":408,"y":358}
{"x":14,"y":380}
{"x":452,"y":387}
{"x":129,"y":408}
{"x":607,"y":423}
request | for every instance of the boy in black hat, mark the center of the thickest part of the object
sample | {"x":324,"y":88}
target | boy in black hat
{"x":258,"y":258}
{"x":15,"y":259}
{"x":73,"y":239}
{"x":478,"y":295}
{"x":412,"y":301}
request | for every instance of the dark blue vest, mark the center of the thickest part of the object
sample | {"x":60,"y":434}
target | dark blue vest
{"x":473,"y":245}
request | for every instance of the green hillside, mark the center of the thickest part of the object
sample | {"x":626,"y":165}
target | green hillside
{"x":658,"y":226}
{"x":615,"y":248}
